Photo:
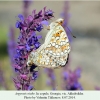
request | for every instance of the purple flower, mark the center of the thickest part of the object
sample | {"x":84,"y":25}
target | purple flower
{"x":71,"y":79}
{"x":65,"y":14}
{"x":35,"y":75}
{"x":3,"y":82}
{"x":48,"y":14}
{"x":33,"y":42}
{"x":26,"y":4}
{"x":27,"y":42}
{"x":65,"y":75}
{"x":21,"y":17}
{"x":19,"y":24}
{"x":24,"y":77}
{"x":18,"y":86}
{"x":28,"y":48}
{"x":32,"y":22}
{"x":39,"y":27}
{"x":11,"y":45}
{"x":51,"y":78}
{"x":97,"y":88}
{"x":30,"y":87}
{"x":45,"y":22}
{"x":78,"y":72}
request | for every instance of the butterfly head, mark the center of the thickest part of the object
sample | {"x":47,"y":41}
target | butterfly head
{"x":56,"y":23}
{"x":60,"y":21}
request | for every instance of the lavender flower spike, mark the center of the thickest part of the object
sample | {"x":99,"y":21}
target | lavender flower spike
{"x":27,"y":42}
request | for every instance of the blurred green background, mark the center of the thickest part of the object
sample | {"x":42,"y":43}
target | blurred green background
{"x":85,"y":24}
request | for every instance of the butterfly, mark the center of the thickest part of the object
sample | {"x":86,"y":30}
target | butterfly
{"x":54,"y":52}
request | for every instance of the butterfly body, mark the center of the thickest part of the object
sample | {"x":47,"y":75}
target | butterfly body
{"x":54,"y":52}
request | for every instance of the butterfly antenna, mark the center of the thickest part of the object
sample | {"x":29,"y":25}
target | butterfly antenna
{"x":71,"y":32}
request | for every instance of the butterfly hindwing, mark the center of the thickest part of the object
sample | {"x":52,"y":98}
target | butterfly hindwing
{"x":54,"y":52}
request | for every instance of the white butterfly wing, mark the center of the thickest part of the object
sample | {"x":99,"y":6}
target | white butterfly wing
{"x":55,"y":50}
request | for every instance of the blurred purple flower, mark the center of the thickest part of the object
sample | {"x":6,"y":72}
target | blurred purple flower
{"x":65,"y":75}
{"x":35,"y":75}
{"x":51,"y":78}
{"x":26,"y":4}
{"x":71,"y":79}
{"x":66,"y":17}
{"x":3,"y":82}
{"x":97,"y":88}
{"x":11,"y":45}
